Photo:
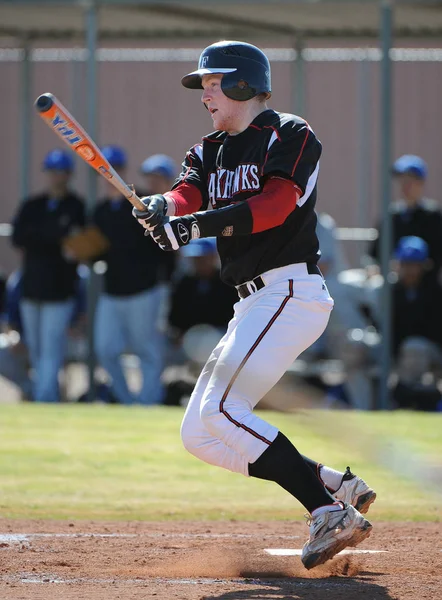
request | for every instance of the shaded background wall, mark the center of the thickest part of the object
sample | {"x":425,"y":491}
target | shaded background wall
{"x":144,"y":108}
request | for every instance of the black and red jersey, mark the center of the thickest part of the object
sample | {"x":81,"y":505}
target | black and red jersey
{"x":229,"y":169}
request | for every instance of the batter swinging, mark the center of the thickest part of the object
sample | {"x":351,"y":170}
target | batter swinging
{"x":258,"y":171}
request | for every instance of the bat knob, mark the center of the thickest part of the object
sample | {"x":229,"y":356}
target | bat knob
{"x":44,"y":102}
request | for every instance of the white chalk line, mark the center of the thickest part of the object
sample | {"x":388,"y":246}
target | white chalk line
{"x":298,"y":551}
{"x":88,"y":580}
{"x":25,"y":537}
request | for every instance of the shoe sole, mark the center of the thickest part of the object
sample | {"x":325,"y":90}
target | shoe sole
{"x":365,"y":501}
{"x":358,"y":536}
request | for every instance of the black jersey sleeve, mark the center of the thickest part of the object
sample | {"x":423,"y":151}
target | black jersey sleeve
{"x":192,"y":171}
{"x":293,"y":153}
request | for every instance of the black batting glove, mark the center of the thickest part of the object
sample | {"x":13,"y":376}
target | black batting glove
{"x":155,"y":213}
{"x":177,"y":232}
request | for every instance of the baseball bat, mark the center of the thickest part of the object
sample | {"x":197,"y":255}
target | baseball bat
{"x":56,"y":116}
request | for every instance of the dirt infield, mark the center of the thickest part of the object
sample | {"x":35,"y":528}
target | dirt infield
{"x":210,"y":561}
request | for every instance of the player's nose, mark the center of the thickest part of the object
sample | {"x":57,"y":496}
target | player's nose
{"x":205,"y":96}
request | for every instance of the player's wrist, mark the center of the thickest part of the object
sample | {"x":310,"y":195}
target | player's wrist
{"x":170,"y":210}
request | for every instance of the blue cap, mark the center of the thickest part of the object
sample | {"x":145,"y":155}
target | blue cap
{"x":201,"y":247}
{"x":58,"y":160}
{"x":159,"y":164}
{"x":412,"y":165}
{"x":411,"y":249}
{"x":115,"y":155}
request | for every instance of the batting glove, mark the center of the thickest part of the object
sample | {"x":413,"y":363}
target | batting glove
{"x":155,"y":213}
{"x":177,"y":232}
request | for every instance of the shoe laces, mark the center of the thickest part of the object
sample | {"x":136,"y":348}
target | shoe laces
{"x":308,"y":518}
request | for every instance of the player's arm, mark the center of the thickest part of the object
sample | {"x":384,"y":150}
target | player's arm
{"x":186,"y":196}
{"x":264,"y":211}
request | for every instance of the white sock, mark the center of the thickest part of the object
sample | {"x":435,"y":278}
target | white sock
{"x":331,"y":478}
{"x":327,"y":508}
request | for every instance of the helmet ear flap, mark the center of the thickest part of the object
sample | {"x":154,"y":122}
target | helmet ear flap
{"x":240,"y":91}
{"x":248,"y":81}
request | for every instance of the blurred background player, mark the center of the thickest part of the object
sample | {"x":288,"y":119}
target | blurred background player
{"x":158,"y":173}
{"x":49,"y":276}
{"x":416,"y":327}
{"x":14,"y":355}
{"x":416,"y":333}
{"x":130,"y":308}
{"x":413,"y":214}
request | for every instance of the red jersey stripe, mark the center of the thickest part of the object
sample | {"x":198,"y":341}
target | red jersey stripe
{"x":272,"y":207}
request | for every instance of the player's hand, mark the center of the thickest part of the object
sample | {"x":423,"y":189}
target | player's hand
{"x":155,"y":213}
{"x":177,"y":232}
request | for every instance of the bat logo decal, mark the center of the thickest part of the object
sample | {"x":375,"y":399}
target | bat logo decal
{"x":62,"y":127}
{"x":86,"y":152}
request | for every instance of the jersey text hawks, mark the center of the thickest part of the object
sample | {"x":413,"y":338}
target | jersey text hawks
{"x":224,"y":184}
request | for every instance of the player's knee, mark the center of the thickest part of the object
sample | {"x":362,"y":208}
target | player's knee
{"x":209,"y":412}
{"x":189,"y":436}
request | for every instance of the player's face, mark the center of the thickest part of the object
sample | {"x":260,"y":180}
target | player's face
{"x":226,"y":114}
{"x":155,"y":183}
{"x":58,"y":180}
{"x":410,"y":188}
{"x":411,"y":273}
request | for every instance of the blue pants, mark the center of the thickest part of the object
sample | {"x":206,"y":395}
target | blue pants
{"x":14,"y":364}
{"x":45,"y":326}
{"x":131,"y":324}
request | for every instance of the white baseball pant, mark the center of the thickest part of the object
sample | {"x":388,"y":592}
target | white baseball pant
{"x":269,"y":330}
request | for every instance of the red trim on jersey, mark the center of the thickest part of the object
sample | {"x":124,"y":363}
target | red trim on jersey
{"x":274,"y":129}
{"x":189,"y":167}
{"x":256,"y":127}
{"x":186,"y":197}
{"x":264,"y":163}
{"x":272,"y":207}
{"x":301,"y":151}
{"x":243,"y":362}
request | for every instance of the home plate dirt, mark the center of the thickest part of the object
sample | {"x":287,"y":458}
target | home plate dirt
{"x":211,"y":561}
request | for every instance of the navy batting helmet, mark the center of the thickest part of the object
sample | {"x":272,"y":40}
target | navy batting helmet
{"x":58,"y":160}
{"x":245,"y":69}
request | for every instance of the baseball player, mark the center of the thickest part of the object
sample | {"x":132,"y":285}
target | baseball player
{"x":252,"y":184}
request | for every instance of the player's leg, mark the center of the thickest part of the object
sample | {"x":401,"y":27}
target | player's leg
{"x":54,"y":324}
{"x":110,"y":343}
{"x":272,"y":330}
{"x":146,"y":341}
{"x":30,"y":315}
{"x":209,"y":448}
{"x":196,"y":439}
{"x":199,"y":442}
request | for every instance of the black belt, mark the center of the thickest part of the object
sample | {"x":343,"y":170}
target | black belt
{"x":247,"y":289}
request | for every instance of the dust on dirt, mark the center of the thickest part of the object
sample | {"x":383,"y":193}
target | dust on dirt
{"x":217,"y":561}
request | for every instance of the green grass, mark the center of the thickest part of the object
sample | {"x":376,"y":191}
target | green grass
{"x":109,"y":462}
